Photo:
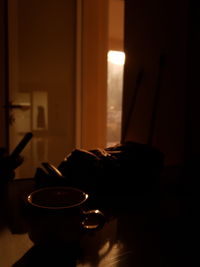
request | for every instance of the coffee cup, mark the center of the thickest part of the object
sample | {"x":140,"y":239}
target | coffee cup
{"x":60,"y":214}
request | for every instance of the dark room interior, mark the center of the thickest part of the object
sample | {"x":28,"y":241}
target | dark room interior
{"x":69,"y":195}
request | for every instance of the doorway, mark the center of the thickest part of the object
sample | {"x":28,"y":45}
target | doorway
{"x":57,"y":77}
{"x":42,"y":52}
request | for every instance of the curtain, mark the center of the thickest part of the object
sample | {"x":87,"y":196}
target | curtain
{"x":155,"y":76}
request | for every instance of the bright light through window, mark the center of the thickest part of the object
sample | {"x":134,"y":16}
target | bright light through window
{"x":116,"y":61}
{"x":116,"y":57}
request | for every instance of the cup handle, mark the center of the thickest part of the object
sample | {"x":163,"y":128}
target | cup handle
{"x":93,"y":220}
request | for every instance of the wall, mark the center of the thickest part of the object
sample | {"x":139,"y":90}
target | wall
{"x":116,"y":25}
{"x":155,"y":28}
{"x":193,"y":94}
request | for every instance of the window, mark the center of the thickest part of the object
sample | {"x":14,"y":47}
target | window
{"x":116,"y":61}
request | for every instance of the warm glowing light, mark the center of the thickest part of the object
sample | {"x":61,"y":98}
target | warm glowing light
{"x":116,"y":57}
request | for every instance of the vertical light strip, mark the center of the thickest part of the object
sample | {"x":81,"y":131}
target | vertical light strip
{"x":116,"y":60}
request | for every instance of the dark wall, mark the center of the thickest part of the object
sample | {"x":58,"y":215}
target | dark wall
{"x":156,"y":44}
{"x":193,"y":92}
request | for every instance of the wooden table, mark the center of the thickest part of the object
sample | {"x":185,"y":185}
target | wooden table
{"x":151,"y":235}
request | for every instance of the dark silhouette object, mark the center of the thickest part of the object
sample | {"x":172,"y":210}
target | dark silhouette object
{"x":125,"y":168}
{"x":8,"y":165}
{"x":21,"y":145}
{"x":138,"y":83}
{"x":114,"y":177}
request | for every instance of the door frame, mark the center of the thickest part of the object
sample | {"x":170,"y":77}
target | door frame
{"x":91,"y":76}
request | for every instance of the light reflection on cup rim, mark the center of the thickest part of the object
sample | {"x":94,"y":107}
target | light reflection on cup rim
{"x":57,"y":189}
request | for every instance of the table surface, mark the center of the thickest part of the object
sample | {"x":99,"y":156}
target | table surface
{"x":145,"y":235}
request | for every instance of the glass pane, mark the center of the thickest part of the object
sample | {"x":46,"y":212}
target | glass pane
{"x":115,"y":68}
{"x":114,"y":96}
